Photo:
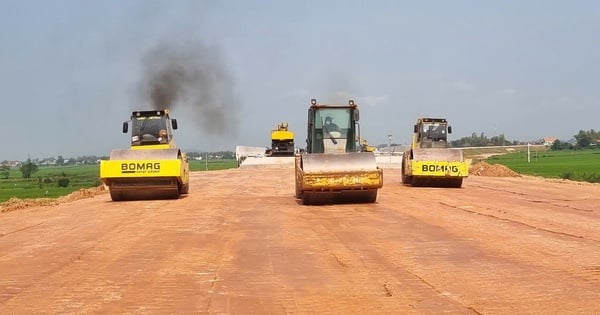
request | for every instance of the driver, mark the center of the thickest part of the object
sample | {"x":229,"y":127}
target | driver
{"x":330,"y":126}
{"x":162,"y":136}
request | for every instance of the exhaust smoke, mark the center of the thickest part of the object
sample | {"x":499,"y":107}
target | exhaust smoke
{"x":191,"y":77}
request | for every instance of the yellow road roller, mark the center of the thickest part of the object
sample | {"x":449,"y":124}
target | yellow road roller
{"x":153,"y":167}
{"x":430,"y":161}
{"x":282,"y":141}
{"x":332,"y":169}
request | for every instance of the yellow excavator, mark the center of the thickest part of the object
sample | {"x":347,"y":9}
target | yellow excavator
{"x":153,"y":168}
{"x":332,"y":169}
{"x":430,"y":161}
{"x":282,"y":141}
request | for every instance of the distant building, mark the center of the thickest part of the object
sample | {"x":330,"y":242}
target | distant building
{"x":48,"y":161}
{"x":11,"y":163}
{"x":548,"y":141}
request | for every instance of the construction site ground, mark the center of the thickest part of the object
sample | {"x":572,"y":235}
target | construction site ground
{"x":240,"y":243}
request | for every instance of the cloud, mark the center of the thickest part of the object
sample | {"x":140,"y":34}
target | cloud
{"x":372,"y":100}
{"x":509,"y":91}
{"x":464,"y":85}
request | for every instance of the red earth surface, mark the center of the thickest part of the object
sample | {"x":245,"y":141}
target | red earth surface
{"x":240,"y":243}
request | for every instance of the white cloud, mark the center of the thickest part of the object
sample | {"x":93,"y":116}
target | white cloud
{"x":371,"y":100}
{"x":509,"y":91}
{"x":464,"y":85}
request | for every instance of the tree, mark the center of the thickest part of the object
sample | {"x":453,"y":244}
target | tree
{"x":63,"y":182}
{"x":499,"y":140}
{"x":561,"y":145}
{"x":4,"y":171}
{"x":28,"y":168}
{"x":583,"y":139}
{"x":556,"y":145}
{"x":60,"y":160}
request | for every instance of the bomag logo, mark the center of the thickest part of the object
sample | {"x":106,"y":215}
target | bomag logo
{"x":143,"y":168}
{"x":432,"y":168}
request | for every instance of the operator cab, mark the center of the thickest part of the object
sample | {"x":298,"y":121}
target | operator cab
{"x":150,"y":127}
{"x":331,"y":128}
{"x":433,"y":133}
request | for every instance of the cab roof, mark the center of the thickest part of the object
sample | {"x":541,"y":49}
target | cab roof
{"x":150,"y":113}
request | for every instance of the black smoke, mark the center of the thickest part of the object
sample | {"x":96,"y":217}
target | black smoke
{"x":192,"y":77}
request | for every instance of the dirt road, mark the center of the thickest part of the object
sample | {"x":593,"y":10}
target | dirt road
{"x":241,"y":244}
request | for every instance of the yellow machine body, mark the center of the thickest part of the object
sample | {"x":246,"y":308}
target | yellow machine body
{"x":153,"y":168}
{"x":430,"y":162}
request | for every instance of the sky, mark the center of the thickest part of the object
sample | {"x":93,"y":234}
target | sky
{"x":71,"y":72}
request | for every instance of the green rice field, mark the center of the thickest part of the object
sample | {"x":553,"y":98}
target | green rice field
{"x":579,"y":165}
{"x":44,"y":182}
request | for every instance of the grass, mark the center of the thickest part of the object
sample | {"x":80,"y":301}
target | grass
{"x":212,"y":165}
{"x":579,"y":165}
{"x":44,"y":182}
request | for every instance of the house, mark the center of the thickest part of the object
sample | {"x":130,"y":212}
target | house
{"x":548,"y":141}
{"x":11,"y":163}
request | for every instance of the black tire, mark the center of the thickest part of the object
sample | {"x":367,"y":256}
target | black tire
{"x":184,"y":189}
{"x":371,"y":196}
{"x":116,"y":195}
{"x":306,"y":198}
{"x":457,"y":183}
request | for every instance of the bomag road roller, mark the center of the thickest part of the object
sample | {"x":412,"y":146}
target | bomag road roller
{"x":430,"y":161}
{"x":282,"y":141}
{"x":153,"y":168}
{"x":331,"y":170}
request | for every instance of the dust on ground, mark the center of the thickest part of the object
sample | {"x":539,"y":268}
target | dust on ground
{"x":15,"y":203}
{"x":492,"y":170}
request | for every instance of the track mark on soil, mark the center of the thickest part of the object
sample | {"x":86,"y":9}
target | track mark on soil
{"x":518,"y":222}
{"x":22,"y":229}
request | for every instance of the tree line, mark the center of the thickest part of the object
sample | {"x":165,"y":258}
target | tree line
{"x":482,"y":141}
{"x":27,"y":168}
{"x":583,"y":140}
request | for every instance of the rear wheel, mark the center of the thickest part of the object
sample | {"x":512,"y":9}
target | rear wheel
{"x":318,"y":198}
{"x":418,"y":182}
{"x":370,"y":196}
{"x":185,"y":189}
{"x":175,"y":195}
{"x":456,"y":183}
{"x":116,"y":195}
{"x":307,"y":198}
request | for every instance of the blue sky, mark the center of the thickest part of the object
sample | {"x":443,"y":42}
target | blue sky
{"x":72,"y":70}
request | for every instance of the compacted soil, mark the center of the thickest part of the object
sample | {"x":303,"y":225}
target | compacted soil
{"x":240,"y":243}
